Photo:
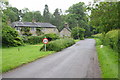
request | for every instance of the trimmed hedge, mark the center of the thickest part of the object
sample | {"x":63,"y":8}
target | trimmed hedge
{"x":58,"y":45}
{"x":110,"y":39}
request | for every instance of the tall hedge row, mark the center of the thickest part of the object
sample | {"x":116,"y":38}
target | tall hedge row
{"x":58,"y":45}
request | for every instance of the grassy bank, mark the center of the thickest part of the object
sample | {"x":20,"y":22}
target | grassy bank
{"x":16,"y":56}
{"x":108,"y":59}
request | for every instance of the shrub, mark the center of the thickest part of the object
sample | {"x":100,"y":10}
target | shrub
{"x":58,"y":45}
{"x":38,"y":39}
{"x":34,"y":39}
{"x":111,"y":39}
{"x":10,"y":37}
{"x":78,"y":33}
{"x":51,"y":36}
{"x":97,"y":35}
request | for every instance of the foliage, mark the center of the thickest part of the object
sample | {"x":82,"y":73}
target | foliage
{"x":39,"y":32}
{"x":108,"y":60}
{"x":12,"y":13}
{"x":58,"y":45}
{"x":46,"y":14}
{"x":57,"y":20}
{"x":110,"y":39}
{"x":104,"y":16}
{"x":78,"y":33}
{"x":26,"y":31}
{"x":76,"y":15}
{"x":38,"y":39}
{"x":10,"y":37}
{"x":16,"y":56}
{"x":33,"y":39}
{"x":51,"y":36}
{"x":30,"y":16}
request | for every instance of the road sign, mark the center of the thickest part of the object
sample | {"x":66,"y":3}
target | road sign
{"x":45,"y":40}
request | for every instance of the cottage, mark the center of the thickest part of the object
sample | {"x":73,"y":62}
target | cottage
{"x":45,"y":27}
{"x":66,"y":31}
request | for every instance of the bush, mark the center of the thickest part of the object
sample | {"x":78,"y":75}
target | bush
{"x":51,"y":36}
{"x":33,"y":39}
{"x":97,"y":35}
{"x":38,"y":39}
{"x":10,"y":37}
{"x":58,"y":45}
{"x":78,"y":33}
{"x":110,"y":39}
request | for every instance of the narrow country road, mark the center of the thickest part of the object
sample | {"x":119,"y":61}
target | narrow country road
{"x":77,"y":61}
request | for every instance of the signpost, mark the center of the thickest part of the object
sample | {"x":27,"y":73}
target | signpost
{"x":45,"y":41}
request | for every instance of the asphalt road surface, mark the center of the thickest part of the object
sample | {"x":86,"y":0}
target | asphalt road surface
{"x":77,"y":61}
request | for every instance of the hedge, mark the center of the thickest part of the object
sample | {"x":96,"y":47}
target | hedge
{"x":110,"y":39}
{"x":58,"y":45}
{"x":38,"y":39}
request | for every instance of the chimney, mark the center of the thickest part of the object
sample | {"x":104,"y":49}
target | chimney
{"x":66,"y":25}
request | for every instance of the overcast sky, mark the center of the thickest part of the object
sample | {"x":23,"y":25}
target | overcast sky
{"x":34,"y":5}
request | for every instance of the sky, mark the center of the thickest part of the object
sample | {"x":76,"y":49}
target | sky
{"x":38,"y":5}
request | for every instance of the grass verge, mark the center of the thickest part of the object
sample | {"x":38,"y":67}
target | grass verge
{"x":76,"y":40}
{"x":15,"y":56}
{"x":108,"y":59}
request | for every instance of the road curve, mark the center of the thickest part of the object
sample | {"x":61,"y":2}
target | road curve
{"x":77,"y":61}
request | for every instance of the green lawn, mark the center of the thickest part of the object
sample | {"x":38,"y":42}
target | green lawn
{"x":15,"y":56}
{"x":108,"y":61}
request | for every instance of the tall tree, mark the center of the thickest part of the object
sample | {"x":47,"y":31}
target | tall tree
{"x":57,"y":19}
{"x":104,"y":17}
{"x":29,"y":16}
{"x":46,"y":14}
{"x":76,"y":15}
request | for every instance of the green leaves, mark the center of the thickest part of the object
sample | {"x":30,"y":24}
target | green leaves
{"x":78,"y":33}
{"x":105,"y":16}
{"x":9,"y":37}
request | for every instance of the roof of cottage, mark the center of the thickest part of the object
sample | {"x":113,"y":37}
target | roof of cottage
{"x":32,"y":24}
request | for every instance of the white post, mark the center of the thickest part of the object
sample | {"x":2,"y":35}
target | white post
{"x":45,"y":47}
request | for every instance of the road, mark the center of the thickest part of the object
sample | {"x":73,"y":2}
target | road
{"x":77,"y":61}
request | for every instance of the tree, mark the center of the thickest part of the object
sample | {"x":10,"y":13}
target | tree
{"x":104,"y":17}
{"x":10,"y":37}
{"x":37,"y":16}
{"x":28,"y":16}
{"x":46,"y":14}
{"x":76,"y":15}
{"x":12,"y":13}
{"x":57,"y":19}
{"x":78,"y":33}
